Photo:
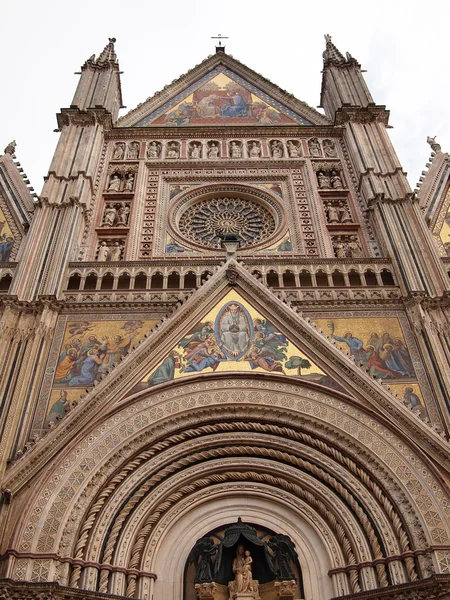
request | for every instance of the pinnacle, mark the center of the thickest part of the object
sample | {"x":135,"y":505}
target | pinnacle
{"x":331,"y":53}
{"x":108,"y":53}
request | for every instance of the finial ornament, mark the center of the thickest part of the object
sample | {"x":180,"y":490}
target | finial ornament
{"x":430,"y":140}
{"x":220,"y":37}
{"x":11,"y":147}
{"x":327,"y":38}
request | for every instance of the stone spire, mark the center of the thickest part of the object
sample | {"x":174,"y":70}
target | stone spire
{"x":108,"y":54}
{"x":331,"y":53}
{"x":99,"y":84}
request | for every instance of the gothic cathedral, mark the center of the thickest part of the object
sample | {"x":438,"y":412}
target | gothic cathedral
{"x":225,"y":354}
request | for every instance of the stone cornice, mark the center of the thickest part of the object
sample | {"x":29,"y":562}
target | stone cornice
{"x":90,"y":116}
{"x":362,"y":114}
{"x":165,"y":336}
{"x":177,"y":86}
{"x":224,"y":131}
{"x":432,"y":588}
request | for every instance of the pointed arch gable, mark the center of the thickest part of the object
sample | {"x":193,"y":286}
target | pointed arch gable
{"x":135,"y":367}
{"x":265,"y":92}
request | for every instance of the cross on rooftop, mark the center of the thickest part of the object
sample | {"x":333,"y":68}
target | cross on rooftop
{"x":219,"y":37}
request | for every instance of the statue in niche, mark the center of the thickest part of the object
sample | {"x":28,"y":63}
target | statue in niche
{"x":254,"y":150}
{"x":323,"y":180}
{"x":329,"y":149}
{"x":293,"y":150}
{"x":119,"y":151}
{"x":172,"y":150}
{"x":133,"y":151}
{"x":114,"y":183}
{"x":236,"y":151}
{"x":332,"y":214}
{"x":115,"y":251}
{"x":213,"y":151}
{"x":129,"y":183}
{"x":196,"y":151}
{"x":340,"y":248}
{"x":354,"y":247}
{"x":153,"y":150}
{"x":335,"y":180}
{"x":122,"y":215}
{"x":284,"y":553}
{"x":314,"y":148}
{"x":201,"y":555}
{"x":242,"y":568}
{"x":103,"y":250}
{"x":277,"y":149}
{"x":344,"y":213}
{"x":110,"y":215}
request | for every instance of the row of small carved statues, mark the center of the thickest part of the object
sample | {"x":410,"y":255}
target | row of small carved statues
{"x":347,"y":246}
{"x":212,"y":149}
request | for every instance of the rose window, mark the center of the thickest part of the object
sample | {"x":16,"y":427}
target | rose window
{"x":207,"y":222}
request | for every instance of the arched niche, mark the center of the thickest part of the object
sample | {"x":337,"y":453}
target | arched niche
{"x":282,"y":514}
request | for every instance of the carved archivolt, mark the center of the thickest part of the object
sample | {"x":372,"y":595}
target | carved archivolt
{"x":113,"y":488}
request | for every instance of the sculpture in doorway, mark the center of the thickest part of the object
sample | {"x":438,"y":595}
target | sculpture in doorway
{"x":284,"y":552}
{"x":201,"y":555}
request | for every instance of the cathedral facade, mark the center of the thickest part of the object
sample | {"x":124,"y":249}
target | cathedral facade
{"x":225,"y":361}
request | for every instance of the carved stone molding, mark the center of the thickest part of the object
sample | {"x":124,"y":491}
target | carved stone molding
{"x":358,"y":114}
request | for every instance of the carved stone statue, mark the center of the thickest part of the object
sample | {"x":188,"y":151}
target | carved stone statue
{"x":254,"y":150}
{"x":196,"y":151}
{"x":344,"y":213}
{"x":172,"y":150}
{"x":323,"y":180}
{"x":339,"y":248}
{"x":122,"y":215}
{"x":110,"y":215}
{"x":243,"y":581}
{"x":332,"y":214}
{"x":129,"y":183}
{"x":277,"y":149}
{"x":133,"y":151}
{"x":329,"y":148}
{"x":153,"y":150}
{"x":335,"y":180}
{"x":430,"y":140}
{"x":102,"y":255}
{"x":314,"y":148}
{"x":114,"y":183}
{"x":11,"y":147}
{"x":354,"y":247}
{"x":236,"y":151}
{"x":213,"y":151}
{"x":115,"y":251}
{"x":119,"y":151}
{"x":293,"y":150}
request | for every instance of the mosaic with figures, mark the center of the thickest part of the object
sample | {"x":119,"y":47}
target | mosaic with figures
{"x":222,"y":97}
{"x":6,"y":239}
{"x":235,"y":337}
{"x":84,"y":347}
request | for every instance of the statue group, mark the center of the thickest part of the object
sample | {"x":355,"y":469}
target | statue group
{"x":272,"y":561}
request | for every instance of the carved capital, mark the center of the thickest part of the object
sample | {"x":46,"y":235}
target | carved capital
{"x":91,"y":116}
{"x":206,"y":591}
{"x":286,"y":589}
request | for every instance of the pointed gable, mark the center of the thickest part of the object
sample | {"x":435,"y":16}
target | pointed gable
{"x":235,"y":336}
{"x":222,"y":91}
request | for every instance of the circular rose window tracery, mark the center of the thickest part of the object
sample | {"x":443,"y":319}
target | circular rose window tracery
{"x":208,"y":221}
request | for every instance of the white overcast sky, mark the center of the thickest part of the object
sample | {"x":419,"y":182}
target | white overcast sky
{"x":402,"y":44}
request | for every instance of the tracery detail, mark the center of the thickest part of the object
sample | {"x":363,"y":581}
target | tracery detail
{"x":206,"y":222}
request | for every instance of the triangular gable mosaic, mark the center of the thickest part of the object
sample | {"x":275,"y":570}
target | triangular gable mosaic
{"x":234,"y":336}
{"x":222,"y":98}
